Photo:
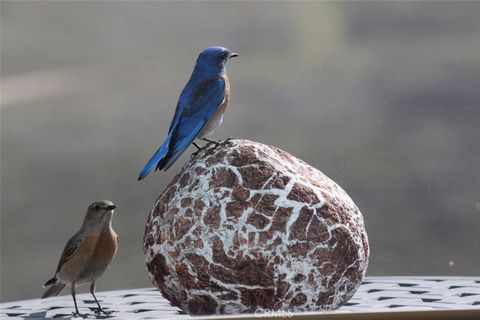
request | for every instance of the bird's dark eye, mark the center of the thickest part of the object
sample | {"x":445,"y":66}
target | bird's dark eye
{"x":96,"y":207}
{"x":224,"y":55}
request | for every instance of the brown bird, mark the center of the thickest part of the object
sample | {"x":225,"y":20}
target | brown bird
{"x":87,"y":254}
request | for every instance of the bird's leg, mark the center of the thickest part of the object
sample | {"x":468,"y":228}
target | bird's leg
{"x":209,"y":142}
{"x":220,"y":141}
{"x":76,"y":313}
{"x":199,"y":148}
{"x":100,"y":309}
{"x":216,"y":143}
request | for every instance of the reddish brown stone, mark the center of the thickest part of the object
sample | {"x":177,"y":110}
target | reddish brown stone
{"x":182,"y":225}
{"x":299,"y":249}
{"x":197,"y":260}
{"x":289,"y":237}
{"x":228,"y":296}
{"x":199,"y":171}
{"x":240,"y":193}
{"x":184,"y":179}
{"x":299,"y":299}
{"x":201,"y":305}
{"x":168,"y":194}
{"x":320,"y":255}
{"x":198,"y":244}
{"x":199,"y":205}
{"x":173,"y":254}
{"x":257,"y":220}
{"x":282,"y":289}
{"x":186,"y":202}
{"x":186,"y":279}
{"x":325,"y":298}
{"x":222,"y":178}
{"x":212,"y":217}
{"x":263,"y":237}
{"x":280,"y":219}
{"x":158,"y":267}
{"x":257,"y":298}
{"x":299,"y":277}
{"x":235,"y":209}
{"x":299,"y":227}
{"x":193,"y":185}
{"x":237,"y":241}
{"x":255,"y":178}
{"x":280,"y":182}
{"x":302,"y":193}
{"x":218,"y":254}
{"x":188,"y":213}
{"x":274,"y":244}
{"x":265,"y":204}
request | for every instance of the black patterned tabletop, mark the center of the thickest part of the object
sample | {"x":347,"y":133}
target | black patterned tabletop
{"x":376,"y":295}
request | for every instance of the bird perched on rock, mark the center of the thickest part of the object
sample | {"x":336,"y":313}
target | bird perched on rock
{"x":200,"y":108}
{"x":87,"y":254}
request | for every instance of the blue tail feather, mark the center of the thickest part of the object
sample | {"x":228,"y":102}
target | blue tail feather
{"x":179,"y":147}
{"x":156,"y":158}
{"x":168,"y":162}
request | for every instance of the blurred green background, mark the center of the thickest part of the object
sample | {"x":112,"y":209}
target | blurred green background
{"x":383,"y":97}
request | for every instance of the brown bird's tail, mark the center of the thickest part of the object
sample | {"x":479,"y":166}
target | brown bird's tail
{"x":54,"y":289}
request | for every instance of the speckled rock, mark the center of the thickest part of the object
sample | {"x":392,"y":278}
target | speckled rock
{"x":248,"y":226}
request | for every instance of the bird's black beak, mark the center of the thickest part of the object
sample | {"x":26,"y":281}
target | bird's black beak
{"x":111,"y":207}
{"x":233,"y":55}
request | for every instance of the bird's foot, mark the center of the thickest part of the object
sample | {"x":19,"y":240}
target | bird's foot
{"x":208,"y":145}
{"x":210,"y":141}
{"x":199,"y":148}
{"x":195,"y":154}
{"x":210,"y":150}
{"x":205,"y":147}
{"x":99,"y":311}
{"x":78,"y":314}
{"x":227,"y":140}
{"x":216,"y":143}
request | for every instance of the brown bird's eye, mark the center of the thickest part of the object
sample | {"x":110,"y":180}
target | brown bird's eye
{"x":96,"y":207}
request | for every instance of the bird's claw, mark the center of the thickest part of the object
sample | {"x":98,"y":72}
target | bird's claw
{"x":225,"y":141}
{"x":78,"y":314}
{"x":214,"y":142}
{"x":99,"y":311}
{"x":208,"y":148}
{"x":194,"y":154}
{"x":217,"y":143}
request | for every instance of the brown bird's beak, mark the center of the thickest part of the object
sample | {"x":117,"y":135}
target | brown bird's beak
{"x":111,"y":207}
{"x":233,"y":55}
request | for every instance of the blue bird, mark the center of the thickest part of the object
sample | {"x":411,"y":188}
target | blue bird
{"x":200,"y":108}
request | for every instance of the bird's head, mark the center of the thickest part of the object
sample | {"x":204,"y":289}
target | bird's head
{"x":99,"y":214}
{"x":214,"y":59}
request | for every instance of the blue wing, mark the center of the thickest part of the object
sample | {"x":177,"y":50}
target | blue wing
{"x":196,"y":114}
{"x":191,"y":115}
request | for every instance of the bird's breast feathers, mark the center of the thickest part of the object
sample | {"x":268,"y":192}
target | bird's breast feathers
{"x":91,"y":258}
{"x":226,"y":100}
{"x":217,"y":117}
{"x":106,"y":248}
